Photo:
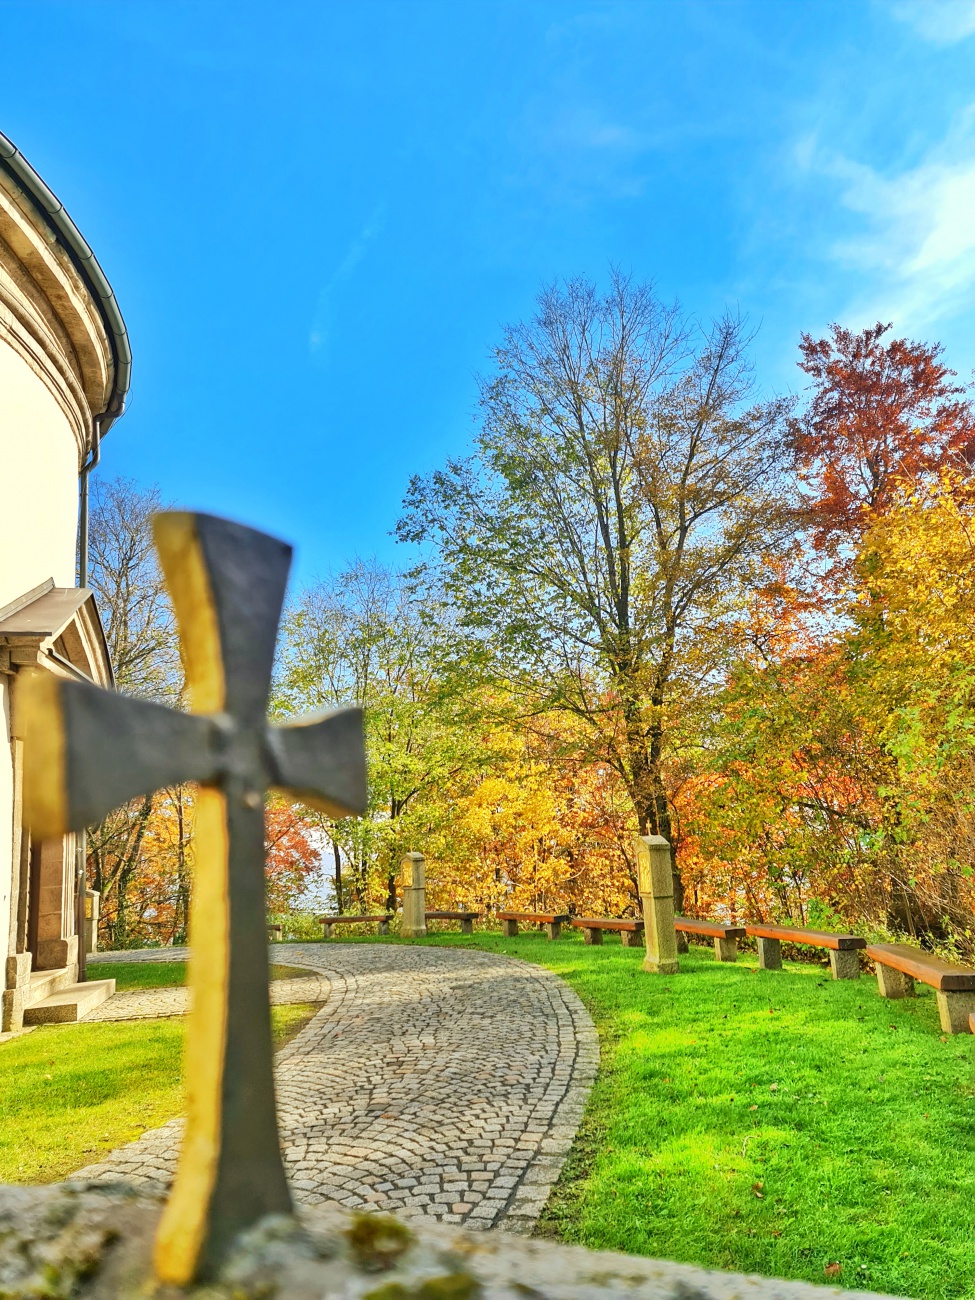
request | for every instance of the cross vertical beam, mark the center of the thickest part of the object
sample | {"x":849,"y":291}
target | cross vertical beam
{"x":88,"y":750}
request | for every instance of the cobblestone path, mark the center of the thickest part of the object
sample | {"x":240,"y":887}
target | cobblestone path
{"x":434,"y":1081}
{"x":151,"y":1004}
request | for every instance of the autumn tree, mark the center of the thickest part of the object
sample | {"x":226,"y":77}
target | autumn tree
{"x":601,"y":540}
{"x":371,"y":637}
{"x":879,"y":414}
{"x":140,"y":630}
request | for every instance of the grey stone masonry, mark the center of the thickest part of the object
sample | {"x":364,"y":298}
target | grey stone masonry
{"x":96,"y":1242}
{"x":438,"y":1082}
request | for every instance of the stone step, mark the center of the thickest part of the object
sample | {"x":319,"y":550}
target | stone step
{"x":45,"y":982}
{"x":70,"y":1003}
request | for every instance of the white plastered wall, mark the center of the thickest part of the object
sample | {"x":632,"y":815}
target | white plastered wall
{"x":38,"y":484}
{"x":38,"y":533}
{"x":6,"y":826}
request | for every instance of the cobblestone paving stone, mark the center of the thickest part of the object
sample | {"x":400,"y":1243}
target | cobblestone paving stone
{"x":434,"y":1081}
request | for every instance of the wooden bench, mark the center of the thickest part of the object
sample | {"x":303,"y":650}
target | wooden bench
{"x":899,"y":965}
{"x":551,"y":922}
{"x":466,"y":919}
{"x":725,"y":936}
{"x":381,"y":922}
{"x":274,"y":932}
{"x":593,"y":928}
{"x":843,"y":948}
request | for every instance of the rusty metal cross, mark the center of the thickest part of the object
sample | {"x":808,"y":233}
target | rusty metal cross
{"x":89,"y":750}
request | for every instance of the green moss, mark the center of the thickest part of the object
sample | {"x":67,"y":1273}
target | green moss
{"x":451,"y":1286}
{"x":378,"y":1241}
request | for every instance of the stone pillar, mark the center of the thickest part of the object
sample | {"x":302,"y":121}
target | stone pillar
{"x":844,"y":965}
{"x":592,"y":935}
{"x":414,"y":925}
{"x":894,"y":983}
{"x":657,"y":896}
{"x":92,"y":900}
{"x":509,"y":929}
{"x":769,"y":953}
{"x":57,"y":944}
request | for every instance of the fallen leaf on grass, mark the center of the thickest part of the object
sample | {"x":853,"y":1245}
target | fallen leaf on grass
{"x":833,"y":1270}
{"x":753,"y":1108}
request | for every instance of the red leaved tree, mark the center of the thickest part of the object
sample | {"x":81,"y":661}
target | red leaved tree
{"x":881,"y":412}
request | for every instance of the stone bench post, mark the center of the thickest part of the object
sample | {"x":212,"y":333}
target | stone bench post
{"x":725,"y":949}
{"x":383,"y":927}
{"x":769,"y":953}
{"x":414,"y":925}
{"x":553,"y":929}
{"x":631,"y":938}
{"x":327,"y":929}
{"x":467,"y":925}
{"x":955,"y":1010}
{"x":591,"y":935}
{"x":894,"y":983}
{"x":509,"y":929}
{"x":845,"y":965}
{"x":656,"y":883}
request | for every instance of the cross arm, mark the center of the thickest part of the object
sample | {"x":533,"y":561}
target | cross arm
{"x":322,"y":762}
{"x":90,"y":750}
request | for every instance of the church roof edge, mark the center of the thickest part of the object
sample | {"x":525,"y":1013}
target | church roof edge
{"x":71,"y":239}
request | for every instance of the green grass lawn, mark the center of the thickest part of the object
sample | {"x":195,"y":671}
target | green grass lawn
{"x":162,"y":974}
{"x":71,"y":1093}
{"x":769,"y":1122}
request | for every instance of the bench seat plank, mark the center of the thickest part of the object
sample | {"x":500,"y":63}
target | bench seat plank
{"x":816,"y":938}
{"x":542,"y":918}
{"x":924,"y":966}
{"x":603,"y":923}
{"x":712,"y":929}
{"x":452,"y":916}
{"x":349,"y":920}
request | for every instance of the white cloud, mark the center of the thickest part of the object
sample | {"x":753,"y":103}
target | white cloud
{"x":918,"y":251}
{"x":942,"y":21}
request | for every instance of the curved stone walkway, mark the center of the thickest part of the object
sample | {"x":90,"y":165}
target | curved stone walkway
{"x":153,"y":1004}
{"x":434,"y":1081}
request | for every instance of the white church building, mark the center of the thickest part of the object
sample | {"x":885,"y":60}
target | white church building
{"x":64,"y":375}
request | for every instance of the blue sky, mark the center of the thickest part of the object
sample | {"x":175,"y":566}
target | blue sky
{"x":317,"y":217}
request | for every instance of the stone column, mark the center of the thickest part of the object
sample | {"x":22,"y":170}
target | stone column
{"x":657,"y":896}
{"x":414,"y":925}
{"x":92,"y":899}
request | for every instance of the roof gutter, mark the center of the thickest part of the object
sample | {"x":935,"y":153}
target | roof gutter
{"x":73,"y":242}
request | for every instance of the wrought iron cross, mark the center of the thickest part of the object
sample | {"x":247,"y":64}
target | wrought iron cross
{"x":89,"y":750}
